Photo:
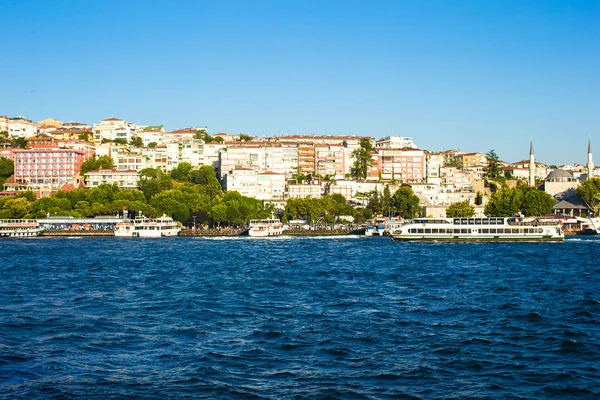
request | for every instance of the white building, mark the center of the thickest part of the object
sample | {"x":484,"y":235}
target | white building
{"x":151,"y":136}
{"x":124,"y":179}
{"x":395,"y":142}
{"x":267,"y":186}
{"x":111,"y":129}
{"x":303,"y":191}
{"x":20,"y":127}
{"x":433,"y":162}
{"x":131,"y":161}
{"x":192,"y":151}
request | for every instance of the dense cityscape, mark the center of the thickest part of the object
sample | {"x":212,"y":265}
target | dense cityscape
{"x":49,"y":157}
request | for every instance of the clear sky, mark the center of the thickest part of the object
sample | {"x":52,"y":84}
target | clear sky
{"x":473,"y":75}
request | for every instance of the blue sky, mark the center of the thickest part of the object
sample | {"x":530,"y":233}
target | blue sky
{"x":472,"y":75}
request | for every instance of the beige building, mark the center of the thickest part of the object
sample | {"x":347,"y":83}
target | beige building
{"x":127,"y":180}
{"x":560,"y":183}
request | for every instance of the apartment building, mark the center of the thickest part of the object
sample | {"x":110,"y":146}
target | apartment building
{"x":178,"y":135}
{"x":111,"y":129}
{"x":46,"y":166}
{"x":128,"y":160}
{"x":395,"y":142}
{"x":404,"y":165}
{"x":19,"y":127}
{"x":454,"y":178}
{"x":127,"y":180}
{"x":151,"y":136}
{"x":433,"y":163}
{"x":305,"y":190}
{"x":266,"y":186}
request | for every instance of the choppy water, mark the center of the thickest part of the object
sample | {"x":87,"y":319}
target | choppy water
{"x":303,"y":318}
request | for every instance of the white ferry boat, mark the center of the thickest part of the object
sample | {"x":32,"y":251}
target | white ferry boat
{"x":144,"y":227}
{"x":19,"y":228}
{"x":377,"y":228}
{"x":479,"y":229}
{"x":265,"y":227}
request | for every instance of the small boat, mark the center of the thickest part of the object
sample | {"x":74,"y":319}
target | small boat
{"x":15,"y":228}
{"x":479,"y":229}
{"x":265,"y":227}
{"x":144,"y":227}
{"x":377,"y":228}
{"x":589,"y":226}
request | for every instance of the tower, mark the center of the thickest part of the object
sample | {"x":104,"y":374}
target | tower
{"x":590,"y":162}
{"x":531,"y":164}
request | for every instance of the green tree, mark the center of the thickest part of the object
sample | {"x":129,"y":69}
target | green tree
{"x":15,"y":208}
{"x":362,"y":159}
{"x":479,"y":199}
{"x":461,"y":209}
{"x":535,"y":202}
{"x":503,"y":203}
{"x":245,"y":138}
{"x":122,"y":141}
{"x":94,"y":163}
{"x":136,"y":141}
{"x":7,"y":168}
{"x":386,"y":201}
{"x":84,"y":136}
{"x":181,"y":172}
{"x":589,"y":192}
{"x":453,"y":162}
{"x":522,"y":199}
{"x":405,"y":202}
{"x":18,"y":142}
{"x":205,"y":175}
{"x":28,"y":194}
{"x":153,"y":181}
{"x":493,"y":169}
{"x":152,"y":145}
{"x":218,"y":213}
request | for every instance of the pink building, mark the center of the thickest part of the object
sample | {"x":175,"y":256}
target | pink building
{"x":46,"y":166}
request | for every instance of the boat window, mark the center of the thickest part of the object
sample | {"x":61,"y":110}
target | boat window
{"x":465,"y":231}
{"x":485,"y":221}
{"x":420,"y":230}
{"x":477,"y":221}
{"x":435,"y":231}
{"x":427,"y":230}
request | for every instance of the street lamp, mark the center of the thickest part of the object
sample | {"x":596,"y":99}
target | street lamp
{"x":194,"y":216}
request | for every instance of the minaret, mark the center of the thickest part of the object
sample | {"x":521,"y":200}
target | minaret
{"x":590,"y":163}
{"x":531,"y":164}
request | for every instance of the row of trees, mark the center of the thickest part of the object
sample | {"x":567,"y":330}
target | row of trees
{"x":195,"y":196}
{"x":521,"y":199}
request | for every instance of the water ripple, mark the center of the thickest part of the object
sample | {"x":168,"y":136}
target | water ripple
{"x":304,"y":318}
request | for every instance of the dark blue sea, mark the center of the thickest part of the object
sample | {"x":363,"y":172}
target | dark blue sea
{"x":298,"y":318}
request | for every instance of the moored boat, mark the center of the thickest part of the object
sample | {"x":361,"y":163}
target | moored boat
{"x":19,"y":228}
{"x":479,"y":229}
{"x":265,"y":227}
{"x":144,"y":227}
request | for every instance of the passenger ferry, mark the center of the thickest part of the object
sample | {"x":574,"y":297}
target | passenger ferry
{"x":19,"y":228}
{"x":265,"y":227}
{"x":144,"y":227}
{"x":480,"y":229}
